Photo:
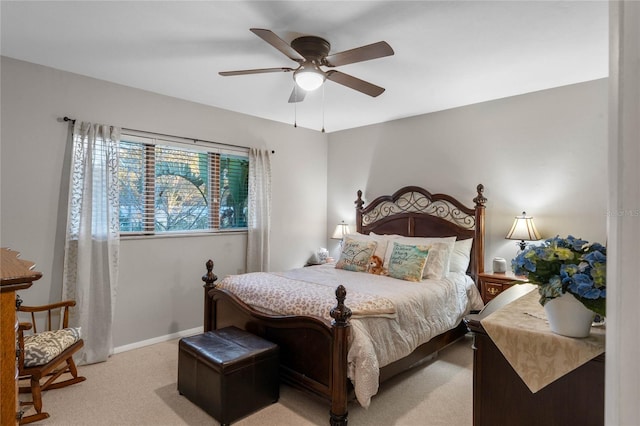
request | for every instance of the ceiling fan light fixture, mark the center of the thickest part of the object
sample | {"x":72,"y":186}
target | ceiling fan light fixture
{"x":309,"y":77}
{"x":312,"y":52}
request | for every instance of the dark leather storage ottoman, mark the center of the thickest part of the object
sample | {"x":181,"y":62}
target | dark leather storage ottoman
{"x":229,"y":373}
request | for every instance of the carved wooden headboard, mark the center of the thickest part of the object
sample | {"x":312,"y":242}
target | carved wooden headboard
{"x":415,"y":212}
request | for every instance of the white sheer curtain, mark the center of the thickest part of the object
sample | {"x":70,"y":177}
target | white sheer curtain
{"x":93,"y":237}
{"x":259,"y":222}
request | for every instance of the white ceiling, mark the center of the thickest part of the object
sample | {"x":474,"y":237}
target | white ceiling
{"x":447,"y":54}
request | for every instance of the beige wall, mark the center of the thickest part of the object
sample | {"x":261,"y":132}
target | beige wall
{"x":543,"y":152}
{"x":159,"y":291}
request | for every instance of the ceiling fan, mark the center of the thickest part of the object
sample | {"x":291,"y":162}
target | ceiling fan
{"x":311,"y":52}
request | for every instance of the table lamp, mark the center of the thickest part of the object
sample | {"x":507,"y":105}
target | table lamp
{"x":341,"y":230}
{"x":523,"y":229}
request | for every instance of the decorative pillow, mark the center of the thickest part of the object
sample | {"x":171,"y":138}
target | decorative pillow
{"x":461,"y":256}
{"x":426,"y":241}
{"x":407,"y":262}
{"x":380,"y":240}
{"x":40,"y":348}
{"x":355,"y":255}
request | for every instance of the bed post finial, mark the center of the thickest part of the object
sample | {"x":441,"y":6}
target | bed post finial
{"x":209,"y":278}
{"x":359,"y":203}
{"x":341,"y":327}
{"x":209,"y":283}
{"x":340,"y":313}
{"x":478,"y":264}
{"x":480,"y":200}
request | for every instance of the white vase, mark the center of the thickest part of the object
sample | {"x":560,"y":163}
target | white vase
{"x":568,"y":316}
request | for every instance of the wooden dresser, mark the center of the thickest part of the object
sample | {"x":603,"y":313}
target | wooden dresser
{"x":500,"y":397}
{"x":15,"y":274}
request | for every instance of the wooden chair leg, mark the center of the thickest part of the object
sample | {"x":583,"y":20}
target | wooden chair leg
{"x":36,"y":401}
{"x":67,"y":382}
{"x":34,"y":418}
{"x":36,"y":393}
{"x":71,"y":369}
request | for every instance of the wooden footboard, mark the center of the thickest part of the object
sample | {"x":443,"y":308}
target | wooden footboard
{"x":313,"y":352}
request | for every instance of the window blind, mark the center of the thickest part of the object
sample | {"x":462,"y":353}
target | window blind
{"x":180,"y":185}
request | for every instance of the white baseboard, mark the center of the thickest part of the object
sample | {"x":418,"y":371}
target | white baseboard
{"x":159,"y":339}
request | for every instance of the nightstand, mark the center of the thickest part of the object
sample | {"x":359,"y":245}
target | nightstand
{"x":492,"y":284}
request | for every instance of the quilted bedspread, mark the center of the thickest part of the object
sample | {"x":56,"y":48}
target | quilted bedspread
{"x":390,"y":319}
{"x":279,"y":294}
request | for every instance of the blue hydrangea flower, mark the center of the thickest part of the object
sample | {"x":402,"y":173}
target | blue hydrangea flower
{"x":570,"y":264}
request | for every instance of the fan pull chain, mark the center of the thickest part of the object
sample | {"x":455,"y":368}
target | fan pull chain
{"x":323,"y":108}
{"x":295,"y":105}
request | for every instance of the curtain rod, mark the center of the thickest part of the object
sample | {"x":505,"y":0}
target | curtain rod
{"x":73,"y":121}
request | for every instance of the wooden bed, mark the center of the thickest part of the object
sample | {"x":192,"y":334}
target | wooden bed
{"x":313,"y":355}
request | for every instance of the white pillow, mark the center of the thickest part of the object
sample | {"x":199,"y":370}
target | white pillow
{"x":439,"y":254}
{"x":461,"y":256}
{"x":437,"y":266}
{"x":389,"y":236}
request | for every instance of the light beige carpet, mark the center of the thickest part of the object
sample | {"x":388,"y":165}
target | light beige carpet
{"x":139,"y":388}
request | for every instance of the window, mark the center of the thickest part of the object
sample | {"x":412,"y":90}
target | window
{"x":169,"y":186}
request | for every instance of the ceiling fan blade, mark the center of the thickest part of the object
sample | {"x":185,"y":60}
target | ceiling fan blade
{"x":275,"y":41}
{"x":354,"y":83}
{"x":256,"y":71}
{"x":359,"y":54}
{"x":297,"y":95}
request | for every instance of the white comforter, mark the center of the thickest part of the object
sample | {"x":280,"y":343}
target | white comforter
{"x":419,"y":312}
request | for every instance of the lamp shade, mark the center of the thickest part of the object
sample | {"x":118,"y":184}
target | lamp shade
{"x":341,"y":230}
{"x":309,"y":77}
{"x":523,"y":229}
